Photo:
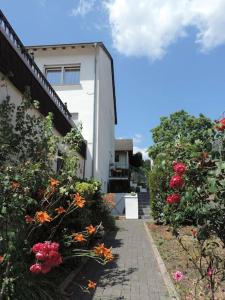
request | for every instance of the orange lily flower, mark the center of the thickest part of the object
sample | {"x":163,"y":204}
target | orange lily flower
{"x":90,"y":229}
{"x":29,"y":219}
{"x":79,"y":201}
{"x":78,"y":237}
{"x":15,"y":185}
{"x":91,"y":284}
{"x":54,"y":182}
{"x":1,"y":259}
{"x":60,"y":210}
{"x":42,"y":217}
{"x":101,"y":250}
{"x":108,"y":254}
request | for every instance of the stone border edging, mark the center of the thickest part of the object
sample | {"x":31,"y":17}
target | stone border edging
{"x":166,"y":277}
{"x":67,"y":281}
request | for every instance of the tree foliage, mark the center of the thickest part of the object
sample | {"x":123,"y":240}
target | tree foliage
{"x":180,"y":129}
{"x":137,"y":160}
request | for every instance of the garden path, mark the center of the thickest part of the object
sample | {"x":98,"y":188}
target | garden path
{"x":133,"y":275}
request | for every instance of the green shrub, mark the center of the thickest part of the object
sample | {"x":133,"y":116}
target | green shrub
{"x":158,"y":187}
{"x":87,"y":190}
{"x":183,"y":138}
{"x":36,"y":205}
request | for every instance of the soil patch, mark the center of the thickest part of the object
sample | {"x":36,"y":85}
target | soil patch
{"x":176,"y":259}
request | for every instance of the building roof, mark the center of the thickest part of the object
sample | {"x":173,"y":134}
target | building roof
{"x":124,"y":145}
{"x":83,"y":45}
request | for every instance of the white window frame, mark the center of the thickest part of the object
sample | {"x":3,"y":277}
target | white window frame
{"x":62,"y":68}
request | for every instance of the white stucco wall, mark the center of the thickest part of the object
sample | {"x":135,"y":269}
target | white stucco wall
{"x":79,"y":98}
{"x":8,"y":89}
{"x":105,"y":119}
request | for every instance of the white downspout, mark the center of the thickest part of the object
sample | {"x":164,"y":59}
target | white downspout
{"x":95,"y":114}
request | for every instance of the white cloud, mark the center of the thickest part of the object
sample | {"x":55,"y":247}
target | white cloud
{"x":149,"y":27}
{"x":142,"y":150}
{"x":83,"y":8}
{"x":137,"y":139}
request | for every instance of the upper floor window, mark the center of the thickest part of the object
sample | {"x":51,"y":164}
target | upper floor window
{"x":64,"y":75}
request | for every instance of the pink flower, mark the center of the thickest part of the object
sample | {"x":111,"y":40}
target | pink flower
{"x":210,"y":272}
{"x":54,"y":246}
{"x":174,"y":198}
{"x":37,"y":247}
{"x":178,"y":276}
{"x":40,"y":255}
{"x":54,"y":258}
{"x":46,"y":252}
{"x":45,"y":268}
{"x":36,"y":268}
{"x":179,"y":168}
{"x":176,"y":182}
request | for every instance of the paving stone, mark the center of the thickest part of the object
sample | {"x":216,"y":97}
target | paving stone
{"x":134,"y":275}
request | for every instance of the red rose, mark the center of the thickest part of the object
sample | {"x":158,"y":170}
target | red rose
{"x":40,"y":255}
{"x":174,"y":198}
{"x":179,"y":168}
{"x":46,"y":252}
{"x":45,"y":268}
{"x":176,"y":182}
{"x":37,"y":247}
{"x":54,"y":246}
{"x":221,"y":125}
{"x":36,"y":268}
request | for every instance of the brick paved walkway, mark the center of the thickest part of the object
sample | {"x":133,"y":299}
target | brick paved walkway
{"x":134,"y":275}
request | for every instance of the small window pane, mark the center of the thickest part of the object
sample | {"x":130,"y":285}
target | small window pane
{"x":71,"y":76}
{"x":54,"y":76}
{"x":117,"y":158}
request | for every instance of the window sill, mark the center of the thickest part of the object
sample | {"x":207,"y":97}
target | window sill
{"x":67,"y":87}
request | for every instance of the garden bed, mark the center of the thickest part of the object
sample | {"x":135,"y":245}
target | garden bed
{"x":176,"y":259}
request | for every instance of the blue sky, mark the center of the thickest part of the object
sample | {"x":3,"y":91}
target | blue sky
{"x":166,"y":58}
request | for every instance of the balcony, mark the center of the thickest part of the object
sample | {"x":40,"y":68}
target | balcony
{"x":119,"y":171}
{"x":7,"y":31}
{"x":120,"y":165}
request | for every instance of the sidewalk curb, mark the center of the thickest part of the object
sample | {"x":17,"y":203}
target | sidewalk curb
{"x":166,"y":277}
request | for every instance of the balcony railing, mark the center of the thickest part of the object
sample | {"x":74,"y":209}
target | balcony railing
{"x":119,"y":173}
{"x":18,"y":46}
{"x":120,"y":165}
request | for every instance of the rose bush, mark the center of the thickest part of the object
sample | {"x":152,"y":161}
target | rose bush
{"x":183,"y":142}
{"x":197,"y":180}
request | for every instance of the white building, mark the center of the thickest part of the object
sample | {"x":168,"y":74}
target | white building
{"x":83,"y":77}
{"x":18,"y":71}
{"x":120,"y":172}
